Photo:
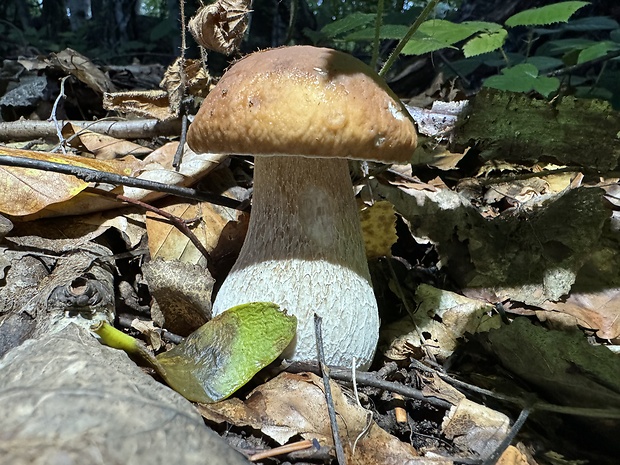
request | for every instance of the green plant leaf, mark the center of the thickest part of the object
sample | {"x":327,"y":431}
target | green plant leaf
{"x":596,"y":51}
{"x":348,"y":23}
{"x":485,"y":42}
{"x":421,"y":44}
{"x":556,"y":13}
{"x":388,"y":31}
{"x":523,"y":78}
{"x":562,"y":46}
{"x":225,"y":353}
{"x":544,"y":63}
{"x":592,"y":23}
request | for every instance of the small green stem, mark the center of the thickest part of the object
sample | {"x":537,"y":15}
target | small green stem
{"x":112,"y":337}
{"x":378,"y":24}
{"x":401,"y":44}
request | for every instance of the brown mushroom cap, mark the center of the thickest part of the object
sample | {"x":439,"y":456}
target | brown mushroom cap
{"x":307,"y":101}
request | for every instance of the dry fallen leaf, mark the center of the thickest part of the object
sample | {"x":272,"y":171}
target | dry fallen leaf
{"x":442,"y":317}
{"x":294,"y":404}
{"x":221,"y":25}
{"x":27,"y":191}
{"x":82,"y":68}
{"x":379,"y":229}
{"x":102,"y":146}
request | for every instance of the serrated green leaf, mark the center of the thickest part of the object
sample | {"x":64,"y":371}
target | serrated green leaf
{"x":544,"y":63}
{"x":348,"y":23}
{"x":592,"y":23}
{"x":546,"y":86}
{"x":448,"y":32}
{"x":388,"y":31}
{"x":556,"y":13}
{"x":225,"y":353}
{"x":596,"y":51}
{"x":562,"y":46}
{"x":485,"y":42}
{"x":436,"y":34}
{"x":421,"y":44}
{"x":523,"y":78}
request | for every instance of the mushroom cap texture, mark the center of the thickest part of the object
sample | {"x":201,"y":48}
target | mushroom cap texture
{"x":307,"y":101}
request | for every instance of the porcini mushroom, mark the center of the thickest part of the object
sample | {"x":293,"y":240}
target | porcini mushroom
{"x":302,"y":112}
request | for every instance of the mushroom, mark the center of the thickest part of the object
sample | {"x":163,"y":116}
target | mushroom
{"x":302,"y":111}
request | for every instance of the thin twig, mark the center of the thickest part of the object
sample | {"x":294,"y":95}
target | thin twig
{"x":285,"y":449}
{"x":401,"y":44}
{"x":53,"y":117}
{"x":375,"y":45}
{"x":328,"y":391}
{"x":90,"y":175}
{"x":175,"y":220}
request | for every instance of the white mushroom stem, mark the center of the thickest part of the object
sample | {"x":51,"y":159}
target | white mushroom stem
{"x":304,"y":251}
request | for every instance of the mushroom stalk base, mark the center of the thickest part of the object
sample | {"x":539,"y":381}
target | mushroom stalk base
{"x":304,"y":251}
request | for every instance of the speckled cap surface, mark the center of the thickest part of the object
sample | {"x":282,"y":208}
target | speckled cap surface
{"x":307,"y":101}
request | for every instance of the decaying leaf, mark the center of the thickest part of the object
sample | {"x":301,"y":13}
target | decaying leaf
{"x":27,"y":191}
{"x":442,"y":317}
{"x":181,"y":292}
{"x":163,"y":104}
{"x":78,"y":65}
{"x":221,"y":26}
{"x":379,"y":229}
{"x":150,"y":103}
{"x":475,"y":427}
{"x":294,"y":404}
{"x":104,"y":147}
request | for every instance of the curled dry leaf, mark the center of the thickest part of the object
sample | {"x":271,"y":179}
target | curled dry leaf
{"x":294,"y":404}
{"x":82,"y":68}
{"x":220,"y":26}
{"x":150,"y":103}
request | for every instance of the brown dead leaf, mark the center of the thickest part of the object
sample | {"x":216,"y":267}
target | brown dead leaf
{"x":27,"y":191}
{"x":221,"y":26}
{"x":78,"y":65}
{"x":513,"y":456}
{"x":599,"y":311}
{"x":475,"y":427}
{"x":182,"y":294}
{"x":443,"y":317}
{"x":150,"y":103}
{"x":102,"y":146}
{"x":294,"y":404}
{"x":168,"y":243}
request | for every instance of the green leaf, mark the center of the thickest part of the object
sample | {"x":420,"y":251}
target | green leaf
{"x":562,"y":46}
{"x":448,"y":32}
{"x":225,"y":353}
{"x":592,"y":23}
{"x":556,"y":13}
{"x":544,"y":63}
{"x":348,"y":23}
{"x":421,"y":44}
{"x":436,"y":34}
{"x":485,"y":42}
{"x":523,"y":78}
{"x":388,"y":31}
{"x":596,"y":51}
